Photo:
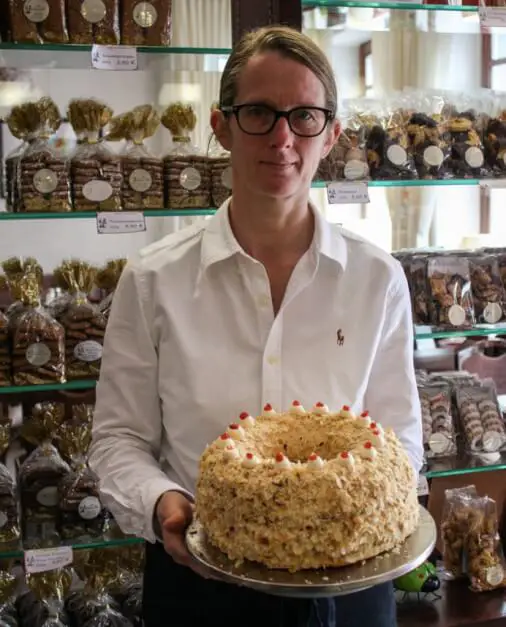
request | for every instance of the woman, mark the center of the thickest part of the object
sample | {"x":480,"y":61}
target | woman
{"x":266,"y":302}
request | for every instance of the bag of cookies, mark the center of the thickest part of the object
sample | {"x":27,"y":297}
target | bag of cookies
{"x":439,"y":436}
{"x":38,"y":22}
{"x":146,"y":23}
{"x":457,"y":511}
{"x":93,"y":22}
{"x":5,"y":430}
{"x":186,"y":172}
{"x":43,"y":176}
{"x":15,"y":270}
{"x":43,"y":605}
{"x":451,"y":298}
{"x":467,"y":159}
{"x":107,"y":280}
{"x":83,"y":322}
{"x":8,"y":589}
{"x":9,"y":518}
{"x":481,"y":420}
{"x":95,"y":170}
{"x":5,"y":353}
{"x":142,"y":186}
{"x":489,"y":296}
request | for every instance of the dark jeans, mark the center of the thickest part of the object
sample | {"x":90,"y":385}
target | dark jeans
{"x":175,"y":596}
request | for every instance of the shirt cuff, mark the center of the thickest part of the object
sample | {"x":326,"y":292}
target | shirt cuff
{"x":152,"y":494}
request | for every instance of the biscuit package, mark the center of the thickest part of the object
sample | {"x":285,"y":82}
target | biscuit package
{"x":481,"y":418}
{"x":439,"y":436}
{"x":38,"y":22}
{"x":220,"y":169}
{"x":467,"y":158}
{"x":5,"y":353}
{"x":457,"y":512}
{"x":107,"y":280}
{"x":8,"y":589}
{"x":451,"y":299}
{"x":489,"y":296}
{"x":9,"y":519}
{"x":146,"y":23}
{"x":43,"y":604}
{"x":93,"y":21}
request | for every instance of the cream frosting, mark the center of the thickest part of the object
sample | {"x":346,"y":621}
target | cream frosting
{"x":377,"y":438}
{"x":296,"y":408}
{"x":269,"y":411}
{"x":236,"y":431}
{"x":367,"y":451}
{"x":281,"y":461}
{"x":250,"y":460}
{"x":365,"y":418}
{"x":231,"y":452}
{"x":315,"y":462}
{"x":247,"y":420}
{"x":346,"y":412}
{"x":346,"y":459}
{"x":224,"y":440}
{"x":320,"y":408}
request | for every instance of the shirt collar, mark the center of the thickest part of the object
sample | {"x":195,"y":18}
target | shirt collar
{"x":219,"y":243}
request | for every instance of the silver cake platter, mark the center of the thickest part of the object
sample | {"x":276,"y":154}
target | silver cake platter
{"x":316,"y":583}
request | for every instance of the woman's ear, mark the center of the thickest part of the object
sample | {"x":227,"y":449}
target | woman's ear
{"x":221,"y":129}
{"x":331,"y":137}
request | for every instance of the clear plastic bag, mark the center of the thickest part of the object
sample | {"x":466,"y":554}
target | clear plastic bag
{"x":9,"y":519}
{"x":38,"y":22}
{"x":457,"y":511}
{"x":489,"y":295}
{"x":107,"y":280}
{"x":467,"y":159}
{"x":481,"y":420}
{"x":8,"y":587}
{"x":93,"y":22}
{"x":43,"y":605}
{"x":5,"y":352}
{"x":146,"y":23}
{"x":451,"y":299}
{"x":437,"y":421}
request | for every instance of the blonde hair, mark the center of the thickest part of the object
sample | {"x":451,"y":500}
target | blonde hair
{"x":288,"y":43}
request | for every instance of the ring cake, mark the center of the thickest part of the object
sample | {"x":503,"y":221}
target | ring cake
{"x":306,"y":489}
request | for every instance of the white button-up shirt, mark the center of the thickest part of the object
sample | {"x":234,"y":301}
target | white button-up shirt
{"x":193,"y":341}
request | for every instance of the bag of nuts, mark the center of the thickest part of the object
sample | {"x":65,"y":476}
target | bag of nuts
{"x":142,"y":186}
{"x":43,"y":176}
{"x":83,"y":322}
{"x":93,"y":22}
{"x":146,"y":23}
{"x":186,"y":172}
{"x":95,"y":170}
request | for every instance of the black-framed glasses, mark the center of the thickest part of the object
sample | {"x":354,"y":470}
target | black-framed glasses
{"x":260,"y":119}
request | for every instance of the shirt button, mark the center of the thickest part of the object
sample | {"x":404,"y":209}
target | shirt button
{"x":264,"y":300}
{"x":273,"y":360}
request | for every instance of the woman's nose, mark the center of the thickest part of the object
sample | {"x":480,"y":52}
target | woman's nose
{"x":281,"y":134}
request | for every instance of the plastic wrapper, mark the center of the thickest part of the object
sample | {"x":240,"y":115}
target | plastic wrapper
{"x":187,"y":179}
{"x":95,"y":170}
{"x":132,"y":604}
{"x":107,"y":280}
{"x":146,"y":23}
{"x":43,"y":605}
{"x":481,"y":420}
{"x":83,"y":322}
{"x":489,"y":296}
{"x":8,"y":612}
{"x":57,"y":302}
{"x":5,"y":430}
{"x":38,"y":340}
{"x":43,"y":423}
{"x":39,"y":478}
{"x":419,"y":288}
{"x":9,"y":518}
{"x":93,"y":21}
{"x":43,"y":176}
{"x":457,"y":511}
{"x":439,"y":436}
{"x":142,"y":172}
{"x":40,"y":21}
{"x":451,"y":299}
{"x":494,"y":142}
{"x":467,"y":159}
{"x":15,"y":271}
{"x":5,"y":353}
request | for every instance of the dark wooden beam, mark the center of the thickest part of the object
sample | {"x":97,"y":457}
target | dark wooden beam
{"x":250,"y":14}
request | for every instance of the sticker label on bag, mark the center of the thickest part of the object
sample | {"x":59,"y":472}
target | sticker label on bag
{"x":48,"y":496}
{"x":347,"y":193}
{"x":226,"y":177}
{"x":190,"y":178}
{"x":140,"y":180}
{"x":42,"y":560}
{"x":89,"y":508}
{"x":97,"y":191}
{"x":45,"y":181}
{"x":36,"y":10}
{"x":114,"y":57}
{"x":93,"y":11}
{"x":492,"y":16}
{"x":116,"y":222}
{"x":88,"y":351}
{"x":38,"y":354}
{"x":145,"y":14}
{"x":3,"y":520}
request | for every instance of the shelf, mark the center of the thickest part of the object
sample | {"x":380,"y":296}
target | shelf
{"x":406,"y":6}
{"x":87,"y":48}
{"x":411,"y":183}
{"x":463,"y":465}
{"x":70,"y":385}
{"x":73,"y":215}
{"x":426,"y":333}
{"x":16,"y":552}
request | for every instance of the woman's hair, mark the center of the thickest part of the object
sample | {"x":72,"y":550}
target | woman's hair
{"x":288,"y":43}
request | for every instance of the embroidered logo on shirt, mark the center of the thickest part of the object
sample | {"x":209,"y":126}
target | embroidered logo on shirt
{"x":340,"y":337}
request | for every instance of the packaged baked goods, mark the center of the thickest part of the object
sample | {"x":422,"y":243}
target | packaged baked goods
{"x":43,"y":175}
{"x":451,"y":299}
{"x":457,"y":512}
{"x":95,"y":170}
{"x":5,"y":353}
{"x":16,"y":269}
{"x":43,"y":605}
{"x":467,"y":159}
{"x":186,"y":172}
{"x":39,"y":478}
{"x":494,"y":142}
{"x":107,"y":280}
{"x":481,"y":420}
{"x":8,"y":588}
{"x":5,"y":430}
{"x":439,"y":437}
{"x":9,"y":518}
{"x":38,"y":340}
{"x":489,"y":296}
{"x":419,"y":288}
{"x":42,"y":423}
{"x":142,"y":172}
{"x":331,"y":167}
{"x":93,"y":22}
{"x":146,"y":23}
{"x":83,"y":322}
{"x":38,"y":21}
{"x":429,"y":145}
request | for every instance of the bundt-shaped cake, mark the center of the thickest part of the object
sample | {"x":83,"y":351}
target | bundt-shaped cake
{"x":306,"y":489}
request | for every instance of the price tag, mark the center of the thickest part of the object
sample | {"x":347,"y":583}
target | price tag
{"x":112,"y":222}
{"x":114,"y":57}
{"x":42,"y":560}
{"x":422,"y":488}
{"x":346,"y":193}
{"x":492,"y":16}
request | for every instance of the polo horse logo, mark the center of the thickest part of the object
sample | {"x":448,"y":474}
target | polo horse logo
{"x":340,"y":337}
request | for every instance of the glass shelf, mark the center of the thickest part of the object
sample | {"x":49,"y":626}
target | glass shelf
{"x":6,"y":45}
{"x":16,"y":551}
{"x":86,"y":384}
{"x":426,"y":333}
{"x":407,"y":6}
{"x":462,"y":465}
{"x":413,"y":183}
{"x":154,"y":213}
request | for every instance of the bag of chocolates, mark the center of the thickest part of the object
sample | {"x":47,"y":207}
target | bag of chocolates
{"x":451,"y":298}
{"x":146,"y":23}
{"x":481,"y":420}
{"x":107,"y":280}
{"x":489,"y":296}
{"x":9,"y":518}
{"x":437,"y":421}
{"x":95,"y":170}
{"x":43,"y":605}
{"x":83,"y":322}
{"x":8,"y":588}
{"x":186,"y":172}
{"x":142,"y":172}
{"x":38,"y":340}
{"x":43,"y":176}
{"x":467,"y":158}
{"x":38,"y":22}
{"x":93,"y":22}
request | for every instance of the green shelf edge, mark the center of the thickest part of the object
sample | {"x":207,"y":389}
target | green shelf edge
{"x":410,"y":183}
{"x":76,"y":546}
{"x":452,"y":472}
{"x":74,"y":215}
{"x":403,"y":6}
{"x":474,"y":332}
{"x":86,"y":384}
{"x":7,"y":45}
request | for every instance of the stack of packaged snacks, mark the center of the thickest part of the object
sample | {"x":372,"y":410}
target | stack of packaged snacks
{"x":430,"y":146}
{"x":107,"y":280}
{"x":43,"y":176}
{"x":186,"y":171}
{"x":494,"y":141}
{"x":41,"y":424}
{"x":83,"y":322}
{"x":146,"y":23}
{"x":96,"y":171}
{"x":93,"y":21}
{"x":451,"y":299}
{"x":15,"y":269}
{"x":142,"y":186}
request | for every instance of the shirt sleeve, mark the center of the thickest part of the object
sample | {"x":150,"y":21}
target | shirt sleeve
{"x":392,"y":392}
{"x":127,"y":422}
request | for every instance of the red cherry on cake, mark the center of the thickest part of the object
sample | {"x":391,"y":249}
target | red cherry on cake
{"x":296,"y":403}
{"x":313,"y":457}
{"x":373,"y":425}
{"x":368,"y":445}
{"x":268,"y":407}
{"x":234,"y":426}
{"x":224,"y":436}
{"x":346,"y":408}
{"x":364,"y":414}
{"x":249,"y":455}
{"x":244,"y":415}
{"x":376,"y":432}
{"x":344,"y":455}
{"x":320,"y":404}
{"x":280,"y":457}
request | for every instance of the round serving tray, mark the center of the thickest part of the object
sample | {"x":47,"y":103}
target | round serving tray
{"x":316,"y":583}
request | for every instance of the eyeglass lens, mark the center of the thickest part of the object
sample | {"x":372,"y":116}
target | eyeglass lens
{"x":259,"y":119}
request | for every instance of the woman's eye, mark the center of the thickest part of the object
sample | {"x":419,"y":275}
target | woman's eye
{"x":305,"y":115}
{"x":257,"y":111}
